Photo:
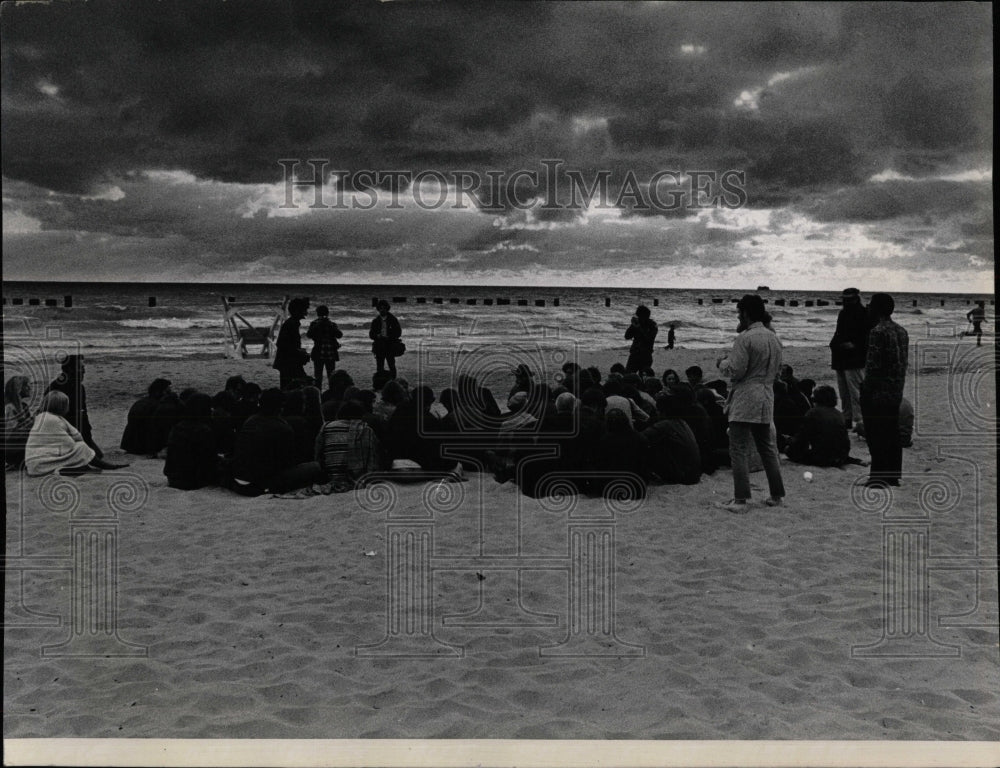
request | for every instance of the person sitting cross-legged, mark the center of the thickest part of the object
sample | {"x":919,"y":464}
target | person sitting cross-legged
{"x":822,"y":439}
{"x":264,"y":458}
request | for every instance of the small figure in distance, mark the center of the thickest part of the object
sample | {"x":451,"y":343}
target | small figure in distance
{"x":976,"y":316}
{"x":671,"y":336}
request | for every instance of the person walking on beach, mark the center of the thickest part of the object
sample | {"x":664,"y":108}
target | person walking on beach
{"x":848,"y":348}
{"x":671,"y":337}
{"x":752,"y":365}
{"x":882,"y":391}
{"x":324,"y":333}
{"x":642,"y":330}
{"x":385,"y":333}
{"x":976,"y":316}
{"x":290,"y":357}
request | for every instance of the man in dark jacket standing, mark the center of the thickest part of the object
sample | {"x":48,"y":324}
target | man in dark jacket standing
{"x":290,"y":357}
{"x":642,"y":330}
{"x":385,"y":333}
{"x":882,"y":390}
{"x":849,"y":348}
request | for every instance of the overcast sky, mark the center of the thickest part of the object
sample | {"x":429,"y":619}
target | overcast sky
{"x":141,"y":140}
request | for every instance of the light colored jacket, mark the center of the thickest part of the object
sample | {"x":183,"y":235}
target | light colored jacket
{"x":752,"y":366}
{"x":54,"y":444}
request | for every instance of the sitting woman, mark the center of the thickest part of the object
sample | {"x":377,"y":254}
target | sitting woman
{"x":17,"y":419}
{"x":55,"y":445}
{"x":347,"y":449}
{"x":192,"y":458}
{"x":822,"y":440}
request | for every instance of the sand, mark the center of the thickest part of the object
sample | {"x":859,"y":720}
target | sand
{"x":252,"y":611}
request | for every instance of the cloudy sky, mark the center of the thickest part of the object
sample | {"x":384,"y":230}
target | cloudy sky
{"x":141,"y":141}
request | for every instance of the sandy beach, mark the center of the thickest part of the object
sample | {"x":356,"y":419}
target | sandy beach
{"x":254,"y":614}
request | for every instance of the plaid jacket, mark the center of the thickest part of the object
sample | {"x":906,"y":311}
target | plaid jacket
{"x":347,"y":450}
{"x":324,"y":333}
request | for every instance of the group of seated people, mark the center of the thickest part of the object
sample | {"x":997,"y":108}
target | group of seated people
{"x":585,"y":430}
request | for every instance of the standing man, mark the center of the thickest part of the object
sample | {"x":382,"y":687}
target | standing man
{"x":385,"y":333}
{"x":848,"y":348}
{"x":290,"y":358}
{"x":642,"y":331}
{"x":324,"y":333}
{"x":752,"y":366}
{"x":882,"y":391}
{"x":976,"y":316}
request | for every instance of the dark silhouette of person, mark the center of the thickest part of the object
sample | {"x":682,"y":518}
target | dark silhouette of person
{"x":324,"y":333}
{"x":70,"y":383}
{"x":290,"y":358}
{"x":192,"y":452}
{"x":385,"y":333}
{"x":642,"y":330}
{"x":671,"y":337}
{"x":882,"y":390}
{"x":976,"y":316}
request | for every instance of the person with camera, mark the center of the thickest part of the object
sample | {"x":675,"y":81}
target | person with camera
{"x":642,"y":331}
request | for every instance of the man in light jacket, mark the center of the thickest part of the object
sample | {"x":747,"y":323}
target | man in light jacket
{"x":752,"y":366}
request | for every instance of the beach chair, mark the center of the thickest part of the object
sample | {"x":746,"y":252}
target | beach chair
{"x":243,"y":334}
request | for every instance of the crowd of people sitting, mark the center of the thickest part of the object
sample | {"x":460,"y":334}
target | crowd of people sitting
{"x":649,"y":428}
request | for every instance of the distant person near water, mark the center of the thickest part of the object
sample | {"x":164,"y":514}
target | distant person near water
{"x":976,"y":316}
{"x":848,"y":348}
{"x":671,"y":337}
{"x":290,"y":357}
{"x":642,"y":330}
{"x":385,"y":333}
{"x":882,"y":390}
{"x":324,"y":333}
{"x":752,"y":367}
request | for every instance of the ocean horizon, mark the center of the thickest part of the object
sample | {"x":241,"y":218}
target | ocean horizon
{"x":182,"y":319}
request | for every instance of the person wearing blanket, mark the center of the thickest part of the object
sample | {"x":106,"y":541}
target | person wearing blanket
{"x":55,"y":445}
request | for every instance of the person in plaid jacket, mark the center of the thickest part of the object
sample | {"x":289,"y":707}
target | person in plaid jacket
{"x":324,"y":333}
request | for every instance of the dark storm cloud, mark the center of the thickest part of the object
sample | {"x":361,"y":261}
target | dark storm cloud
{"x":225,"y":89}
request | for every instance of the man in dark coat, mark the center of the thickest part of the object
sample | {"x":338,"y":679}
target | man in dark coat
{"x":385,"y":333}
{"x":290,"y":357}
{"x":848,"y":348}
{"x":882,"y":390}
{"x":642,"y":330}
